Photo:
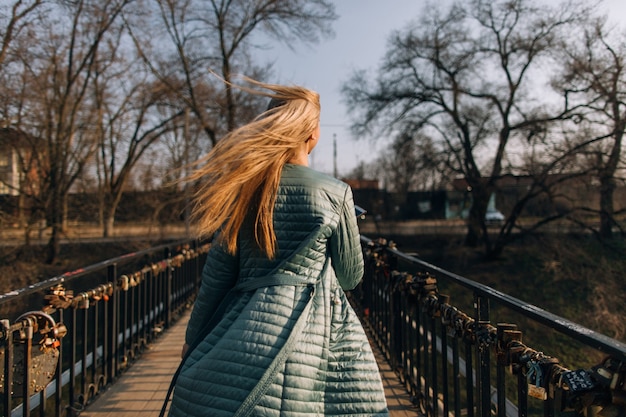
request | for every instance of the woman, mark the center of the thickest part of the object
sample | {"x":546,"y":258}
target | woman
{"x":271,"y":332}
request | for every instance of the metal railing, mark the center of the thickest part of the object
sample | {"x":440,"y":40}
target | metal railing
{"x":67,"y":338}
{"x":458,"y":363}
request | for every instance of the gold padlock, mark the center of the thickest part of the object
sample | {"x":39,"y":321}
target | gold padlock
{"x":83,"y":302}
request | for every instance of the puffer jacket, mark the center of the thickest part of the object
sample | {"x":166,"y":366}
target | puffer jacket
{"x":283,"y":339}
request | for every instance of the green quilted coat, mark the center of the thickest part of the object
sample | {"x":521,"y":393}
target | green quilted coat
{"x":282,"y":338}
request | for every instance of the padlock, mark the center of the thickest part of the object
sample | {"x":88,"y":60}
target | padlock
{"x":124,"y":282}
{"x":578,"y":381}
{"x":59,"y":331}
{"x":83,"y":302}
{"x":534,"y":377}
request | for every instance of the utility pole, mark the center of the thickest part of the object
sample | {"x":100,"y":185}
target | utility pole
{"x":335,"y":155}
{"x":186,"y":189}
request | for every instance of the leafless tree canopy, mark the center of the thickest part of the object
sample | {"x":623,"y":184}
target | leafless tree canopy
{"x":478,"y":80}
{"x":98,"y":86}
{"x":97,"y":90}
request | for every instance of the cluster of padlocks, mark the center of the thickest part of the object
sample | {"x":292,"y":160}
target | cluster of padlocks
{"x":32,"y":341}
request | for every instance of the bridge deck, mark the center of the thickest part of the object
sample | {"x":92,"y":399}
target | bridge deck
{"x":139,"y":392}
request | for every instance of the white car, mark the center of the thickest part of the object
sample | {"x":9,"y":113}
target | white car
{"x":494,"y":217}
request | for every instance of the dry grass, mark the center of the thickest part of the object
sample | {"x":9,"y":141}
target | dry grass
{"x":21,"y":266}
{"x":575,"y":277}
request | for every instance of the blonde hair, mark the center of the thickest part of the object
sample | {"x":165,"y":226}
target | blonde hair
{"x":242,"y":172}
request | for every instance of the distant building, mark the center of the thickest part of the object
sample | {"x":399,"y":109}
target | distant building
{"x":358,"y":184}
{"x":387,"y":205}
{"x":368,"y":195}
{"x":21,"y":157}
{"x":456,"y":200}
{"x":10,"y":170}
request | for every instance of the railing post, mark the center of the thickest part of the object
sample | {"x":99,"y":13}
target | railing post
{"x":84,"y":385}
{"x":444,"y":299}
{"x":198,"y":263}
{"x":133,"y":337}
{"x":505,"y":333}
{"x":28,"y":350}
{"x":433,"y":364}
{"x":424,"y":320}
{"x":7,"y":336}
{"x":456,"y":370}
{"x":95,"y":375}
{"x":482,"y":356}
{"x":111,"y":352}
{"x":395,"y":333}
{"x":168,"y":291}
{"x":58,"y":397}
{"x":72,"y":383}
{"x":469,"y":379}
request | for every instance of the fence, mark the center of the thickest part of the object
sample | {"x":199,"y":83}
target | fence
{"x":96,"y":321}
{"x":57,"y":356}
{"x":447,"y":358}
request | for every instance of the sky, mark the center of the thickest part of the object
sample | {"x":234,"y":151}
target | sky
{"x":360,"y":41}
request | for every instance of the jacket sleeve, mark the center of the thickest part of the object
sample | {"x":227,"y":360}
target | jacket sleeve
{"x":345,"y":246}
{"x":219,"y":275}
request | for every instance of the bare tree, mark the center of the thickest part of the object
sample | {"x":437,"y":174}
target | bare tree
{"x":82,"y":96}
{"x":594,"y":75}
{"x":216,"y":35}
{"x":18,"y":19}
{"x":471,"y":79}
{"x":411,"y":164}
{"x":134,"y":112}
{"x":24,"y":149}
{"x":59,"y":71}
{"x":15,"y":20}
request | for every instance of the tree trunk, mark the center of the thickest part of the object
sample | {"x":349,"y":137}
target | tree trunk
{"x":110,"y":208}
{"x":109,"y":225}
{"x":607,"y":211}
{"x":476,"y":218}
{"x":55,"y":220}
{"x":474,"y":231}
{"x":22,"y":219}
{"x":54,"y":243}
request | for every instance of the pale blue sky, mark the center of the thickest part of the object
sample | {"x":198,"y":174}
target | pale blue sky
{"x":360,"y":43}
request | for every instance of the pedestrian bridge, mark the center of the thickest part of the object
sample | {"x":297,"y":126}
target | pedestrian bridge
{"x":106,"y":340}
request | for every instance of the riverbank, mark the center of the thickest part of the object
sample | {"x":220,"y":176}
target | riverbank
{"x":90,"y":232}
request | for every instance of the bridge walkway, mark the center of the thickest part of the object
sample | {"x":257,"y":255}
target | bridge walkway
{"x":140,"y":391}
